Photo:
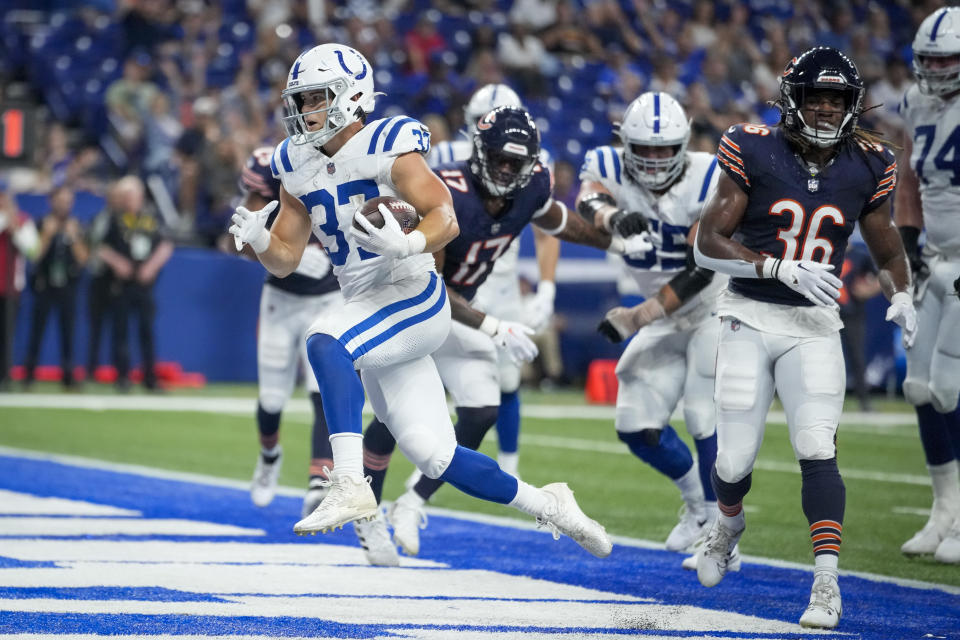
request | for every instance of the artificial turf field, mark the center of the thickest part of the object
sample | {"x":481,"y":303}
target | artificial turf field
{"x":562,"y":438}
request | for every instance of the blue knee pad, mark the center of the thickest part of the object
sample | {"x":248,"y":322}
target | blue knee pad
{"x":479,"y":476}
{"x":663,"y":450}
{"x":340,"y":386}
{"x":508,"y":422}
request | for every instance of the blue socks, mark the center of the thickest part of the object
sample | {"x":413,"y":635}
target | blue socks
{"x":706,"y":456}
{"x":661,"y":449}
{"x":508,"y":422}
{"x":339,"y":384}
{"x":479,"y":476}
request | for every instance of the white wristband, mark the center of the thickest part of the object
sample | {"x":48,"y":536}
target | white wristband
{"x":416,"y":242}
{"x":261,"y":242}
{"x":547,"y":289}
{"x":769,"y":267}
{"x":489,"y":325}
{"x":902,"y":297}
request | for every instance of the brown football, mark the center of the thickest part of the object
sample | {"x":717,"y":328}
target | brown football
{"x":403,"y":213}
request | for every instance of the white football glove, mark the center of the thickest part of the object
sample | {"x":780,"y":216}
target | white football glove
{"x":389,"y":240}
{"x":902,"y":311}
{"x":250,"y":227}
{"x":811,"y":279}
{"x":620,"y":322}
{"x":634,"y":245}
{"x":512,"y":337}
{"x":538,"y":308}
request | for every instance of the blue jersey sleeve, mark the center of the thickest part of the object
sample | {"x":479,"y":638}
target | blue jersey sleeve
{"x":733,"y":152}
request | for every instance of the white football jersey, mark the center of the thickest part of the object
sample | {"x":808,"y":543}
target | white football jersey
{"x":934,"y":127}
{"x":670,"y":215}
{"x":333,"y":188}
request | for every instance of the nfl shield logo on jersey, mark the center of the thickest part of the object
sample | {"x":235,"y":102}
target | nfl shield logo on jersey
{"x":495,"y":227}
{"x":331,"y":168}
{"x":813,"y":184}
{"x":734,"y":325}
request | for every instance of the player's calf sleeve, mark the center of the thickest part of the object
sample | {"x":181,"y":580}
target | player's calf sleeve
{"x":321,"y":453}
{"x":479,"y":476}
{"x":662,"y":449}
{"x":706,"y":457}
{"x":824,"y":499}
{"x":952,"y":422}
{"x":934,"y":435}
{"x":378,"y":446}
{"x":472,"y":425}
{"x":508,"y":422}
{"x":730,"y":494}
{"x":339,"y":385}
{"x":268,"y":424}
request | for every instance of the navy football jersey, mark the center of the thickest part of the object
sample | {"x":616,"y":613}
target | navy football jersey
{"x":469,"y":258}
{"x":794,"y":214}
{"x":313,"y":276}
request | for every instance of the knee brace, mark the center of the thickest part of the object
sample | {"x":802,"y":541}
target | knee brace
{"x":430,"y":452}
{"x":916,"y":391}
{"x":272,"y":400}
{"x":730,"y":493}
{"x":661,"y":449}
{"x":944,"y":395}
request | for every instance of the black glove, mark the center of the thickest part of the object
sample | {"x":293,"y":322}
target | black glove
{"x":956,"y":286}
{"x":606,"y":329}
{"x":628,"y":223}
{"x":911,"y":237}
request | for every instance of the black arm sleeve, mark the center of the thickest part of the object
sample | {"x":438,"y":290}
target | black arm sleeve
{"x":593,"y":202}
{"x":691,"y":280}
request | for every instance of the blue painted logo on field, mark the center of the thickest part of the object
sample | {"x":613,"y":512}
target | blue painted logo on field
{"x":86,"y":550}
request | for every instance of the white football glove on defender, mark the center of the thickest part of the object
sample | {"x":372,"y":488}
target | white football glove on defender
{"x":539,"y":307}
{"x":620,"y":322}
{"x":902,"y":312}
{"x":251,"y":227}
{"x":811,"y":279}
{"x":389,"y":240}
{"x":511,"y":336}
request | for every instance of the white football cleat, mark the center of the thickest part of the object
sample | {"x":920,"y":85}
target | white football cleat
{"x":407,"y":518}
{"x":688,"y":530}
{"x":928,"y":539}
{"x":825,"y":608}
{"x":263,"y":488}
{"x":375,"y":540}
{"x":690,"y":562}
{"x":564,"y":516}
{"x":948,"y":551}
{"x":317,"y":490}
{"x":716,"y":555}
{"x":349,"y":499}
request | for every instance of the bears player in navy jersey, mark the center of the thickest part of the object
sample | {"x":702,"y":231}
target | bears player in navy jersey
{"x":785,"y":205}
{"x":287,"y":308}
{"x":928,"y":199}
{"x":501,"y":189}
{"x":396,"y":310}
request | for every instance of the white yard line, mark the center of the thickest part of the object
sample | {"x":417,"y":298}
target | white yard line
{"x":245,"y":406}
{"x":473,"y":517}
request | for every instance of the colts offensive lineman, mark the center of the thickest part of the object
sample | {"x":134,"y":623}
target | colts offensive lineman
{"x":496,"y":194}
{"x":674,"y":351}
{"x":396,"y":311}
{"x":287,"y":308}
{"x":792,"y":195}
{"x":929,"y":198}
{"x":500,"y":293}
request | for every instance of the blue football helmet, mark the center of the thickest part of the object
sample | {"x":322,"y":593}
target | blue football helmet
{"x":505,"y":150}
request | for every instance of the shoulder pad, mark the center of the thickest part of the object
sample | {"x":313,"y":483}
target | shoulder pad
{"x":600,"y":164}
{"x":397,"y":135}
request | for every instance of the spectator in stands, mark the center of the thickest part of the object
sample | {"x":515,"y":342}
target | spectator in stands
{"x":18,"y":240}
{"x":60,"y":258}
{"x":886,"y":95}
{"x":569,"y":36}
{"x":128,"y":102}
{"x":422,"y":42}
{"x":537,"y":15}
{"x":135,"y":250}
{"x":664,"y":78}
{"x":524,"y":59}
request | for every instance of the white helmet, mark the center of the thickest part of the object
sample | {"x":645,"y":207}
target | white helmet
{"x":937,"y":37}
{"x":346,"y":77}
{"x":657,"y":120}
{"x":486,"y":99}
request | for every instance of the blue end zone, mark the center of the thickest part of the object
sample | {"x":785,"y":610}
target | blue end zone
{"x":873,"y":610}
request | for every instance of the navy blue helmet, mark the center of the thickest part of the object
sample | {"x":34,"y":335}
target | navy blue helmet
{"x":506,"y":147}
{"x":820,"y":69}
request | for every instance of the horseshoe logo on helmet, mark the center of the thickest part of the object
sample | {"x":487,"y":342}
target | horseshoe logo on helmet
{"x":356,"y":76}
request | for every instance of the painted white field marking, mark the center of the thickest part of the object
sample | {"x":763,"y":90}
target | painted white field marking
{"x":911,"y":511}
{"x":13,"y":503}
{"x":247,"y":406}
{"x":462,"y":515}
{"x":31,"y":526}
